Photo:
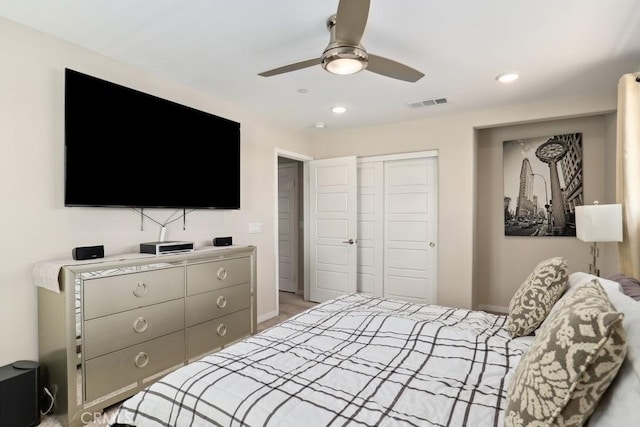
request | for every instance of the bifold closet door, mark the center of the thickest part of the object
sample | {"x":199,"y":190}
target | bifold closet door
{"x":410,"y":229}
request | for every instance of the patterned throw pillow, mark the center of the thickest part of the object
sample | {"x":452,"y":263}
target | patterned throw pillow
{"x":570,"y":364}
{"x":533,"y":300}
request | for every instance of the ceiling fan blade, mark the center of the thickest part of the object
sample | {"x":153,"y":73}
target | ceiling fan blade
{"x":291,"y":67}
{"x":387,"y":67}
{"x":351,"y":19}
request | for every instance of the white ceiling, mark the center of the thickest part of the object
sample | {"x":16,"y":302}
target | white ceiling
{"x":561,"y":48}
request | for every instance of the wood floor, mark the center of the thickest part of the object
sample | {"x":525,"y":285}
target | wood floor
{"x":290,"y":305}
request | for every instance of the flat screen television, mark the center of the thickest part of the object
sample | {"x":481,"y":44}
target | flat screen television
{"x":126,"y":148}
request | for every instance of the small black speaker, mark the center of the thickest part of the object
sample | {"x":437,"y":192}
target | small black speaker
{"x":20,"y":391}
{"x":88,"y":252}
{"x":222,"y":241}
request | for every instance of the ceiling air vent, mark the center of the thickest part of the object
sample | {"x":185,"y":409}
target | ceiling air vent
{"x":427,"y":102}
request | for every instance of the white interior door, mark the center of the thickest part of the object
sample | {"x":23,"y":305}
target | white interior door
{"x":370,"y":228}
{"x":410,"y":229}
{"x":288,"y":226}
{"x":332,"y":228}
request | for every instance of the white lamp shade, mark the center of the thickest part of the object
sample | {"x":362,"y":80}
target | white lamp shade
{"x":599,"y":223}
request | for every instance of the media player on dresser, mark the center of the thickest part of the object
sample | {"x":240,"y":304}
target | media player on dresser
{"x":165,"y":247}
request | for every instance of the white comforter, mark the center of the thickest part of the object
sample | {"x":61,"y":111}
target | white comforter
{"x":355,"y":360}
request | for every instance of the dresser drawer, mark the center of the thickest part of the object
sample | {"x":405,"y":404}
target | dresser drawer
{"x":215,"y":333}
{"x":113,"y":294}
{"x":210,"y":305}
{"x":110,"y":333}
{"x":116,"y":370}
{"x":217,"y":274}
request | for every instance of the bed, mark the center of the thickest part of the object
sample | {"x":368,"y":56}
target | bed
{"x":357,"y":360}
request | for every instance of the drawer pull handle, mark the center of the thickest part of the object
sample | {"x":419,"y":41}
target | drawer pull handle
{"x":222,"y":329}
{"x":140,"y":289}
{"x":222,"y":273}
{"x":142,"y":359}
{"x":140,"y":324}
{"x":222,"y":302}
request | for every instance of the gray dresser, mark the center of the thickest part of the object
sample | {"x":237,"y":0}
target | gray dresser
{"x":118,"y":325}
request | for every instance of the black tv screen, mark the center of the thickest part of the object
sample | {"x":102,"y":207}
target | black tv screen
{"x":126,"y":148}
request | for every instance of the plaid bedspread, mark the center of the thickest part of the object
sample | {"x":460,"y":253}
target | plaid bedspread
{"x":356,"y":360}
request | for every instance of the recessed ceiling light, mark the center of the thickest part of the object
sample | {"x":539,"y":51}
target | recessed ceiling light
{"x":338,"y":110}
{"x":320,"y":125}
{"x":507,"y":77}
{"x":303,"y":90}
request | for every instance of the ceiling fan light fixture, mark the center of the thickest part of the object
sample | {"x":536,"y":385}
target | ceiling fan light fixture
{"x":344,"y":55}
{"x":344,"y":60}
{"x":344,"y":66}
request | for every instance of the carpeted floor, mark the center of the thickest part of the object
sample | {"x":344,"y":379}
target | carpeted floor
{"x":290,"y":305}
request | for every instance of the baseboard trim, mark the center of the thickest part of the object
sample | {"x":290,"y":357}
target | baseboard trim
{"x":267,"y":316}
{"x":493,"y":308}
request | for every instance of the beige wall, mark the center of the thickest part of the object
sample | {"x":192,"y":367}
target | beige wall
{"x":35,"y":224}
{"x":504,"y":262}
{"x":455,"y":139}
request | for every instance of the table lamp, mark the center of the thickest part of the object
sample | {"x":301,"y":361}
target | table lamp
{"x":598,"y":223}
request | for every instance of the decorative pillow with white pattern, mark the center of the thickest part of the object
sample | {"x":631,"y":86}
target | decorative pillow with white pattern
{"x":619,"y":404}
{"x":570,"y":364}
{"x":533,"y":300}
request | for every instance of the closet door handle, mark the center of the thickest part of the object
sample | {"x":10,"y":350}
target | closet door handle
{"x":350,"y":241}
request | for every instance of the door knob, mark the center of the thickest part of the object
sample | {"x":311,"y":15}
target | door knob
{"x":350,"y":241}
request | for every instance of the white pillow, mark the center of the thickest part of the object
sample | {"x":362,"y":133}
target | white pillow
{"x":578,"y":279}
{"x":619,"y":405}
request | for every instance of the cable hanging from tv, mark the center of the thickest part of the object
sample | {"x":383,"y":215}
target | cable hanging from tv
{"x":163,"y":225}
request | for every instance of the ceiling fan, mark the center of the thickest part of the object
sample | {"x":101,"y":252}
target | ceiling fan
{"x":344,"y":54}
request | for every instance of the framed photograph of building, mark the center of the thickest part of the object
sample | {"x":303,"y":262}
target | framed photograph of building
{"x":542,"y":185}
